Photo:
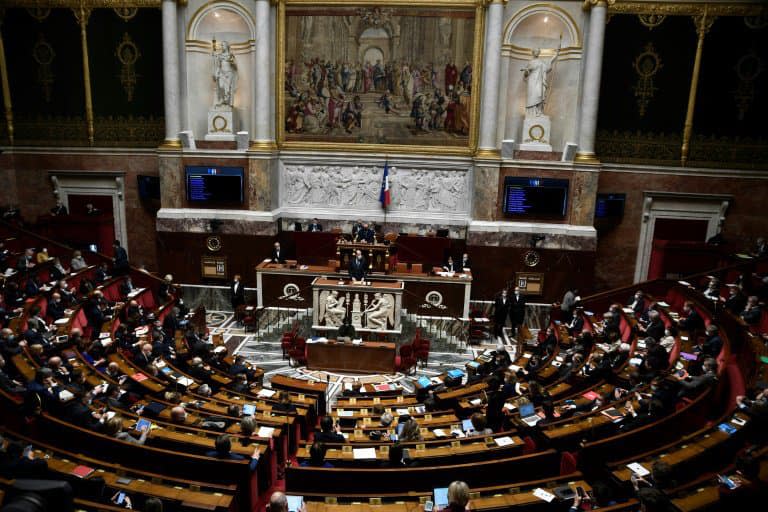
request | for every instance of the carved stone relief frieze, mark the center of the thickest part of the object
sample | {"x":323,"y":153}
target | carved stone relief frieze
{"x":358,"y":188}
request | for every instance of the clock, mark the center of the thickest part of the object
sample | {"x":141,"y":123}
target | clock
{"x":531,"y":258}
{"x":213,"y":243}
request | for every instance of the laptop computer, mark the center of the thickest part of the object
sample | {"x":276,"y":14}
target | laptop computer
{"x":441,"y":497}
{"x":528,"y":414}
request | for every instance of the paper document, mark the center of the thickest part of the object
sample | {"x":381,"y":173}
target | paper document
{"x":364,"y":453}
{"x":265,"y":432}
{"x":266,"y":393}
{"x":638,"y":469}
{"x":543,"y":495}
{"x":504,"y":441}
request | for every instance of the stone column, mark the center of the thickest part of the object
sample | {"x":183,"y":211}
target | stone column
{"x":261,"y":138}
{"x":590,"y":97}
{"x":171,"y":74}
{"x":489,"y":101}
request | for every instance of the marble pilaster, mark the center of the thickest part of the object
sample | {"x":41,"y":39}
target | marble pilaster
{"x":171,"y":90}
{"x":262,"y":78}
{"x":171,"y":179}
{"x":584,"y":186}
{"x":590,"y":97}
{"x":489,"y":101}
{"x":486,"y":192}
{"x":261,"y":184}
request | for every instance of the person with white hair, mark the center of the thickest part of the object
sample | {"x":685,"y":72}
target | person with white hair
{"x":167,"y":290}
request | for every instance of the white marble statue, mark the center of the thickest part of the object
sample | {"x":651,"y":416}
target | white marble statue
{"x":537,"y":77}
{"x":379,"y":311}
{"x":224,"y":76}
{"x":334,"y":309}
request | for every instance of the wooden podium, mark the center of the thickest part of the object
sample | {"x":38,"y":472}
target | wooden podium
{"x":371,"y":307}
{"x":376,"y":254}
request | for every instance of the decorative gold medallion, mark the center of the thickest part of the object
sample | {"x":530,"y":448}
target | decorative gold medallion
{"x":536,"y":132}
{"x":219,"y":124}
{"x":531,"y":258}
{"x":646,"y":65}
{"x":213,"y":243}
{"x":43,"y":54}
{"x":128,"y":53}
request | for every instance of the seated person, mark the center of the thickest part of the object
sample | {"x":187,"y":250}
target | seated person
{"x":314,"y":226}
{"x":752,"y":312}
{"x":479,"y":426}
{"x":451,"y":266}
{"x":365,"y":234}
{"x":278,"y":255}
{"x":458,"y":497}
{"x":284,"y":405}
{"x":317,"y":456}
{"x":224,"y":451}
{"x":347,"y":330}
{"x":329,"y":432}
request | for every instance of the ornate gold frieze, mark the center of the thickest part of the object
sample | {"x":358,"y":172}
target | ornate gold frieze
{"x":646,"y":65}
{"x":70,"y":131}
{"x":89,"y":4}
{"x":126,"y":13}
{"x":628,"y":147}
{"x":128,"y":53}
{"x":44,"y":54}
{"x":651,"y":20}
{"x":688,"y":8}
{"x":39,"y":13}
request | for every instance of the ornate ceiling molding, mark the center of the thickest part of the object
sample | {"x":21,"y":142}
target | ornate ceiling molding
{"x":687,"y":8}
{"x":87,"y":4}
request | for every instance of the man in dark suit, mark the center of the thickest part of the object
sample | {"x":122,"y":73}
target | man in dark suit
{"x":277,"y":254}
{"x":465,"y":261}
{"x":56,"y":307}
{"x":358,"y":266}
{"x":237,"y":293}
{"x":752,"y":312}
{"x":120,"y":265}
{"x":736,"y":300}
{"x":451,"y":266}
{"x":517,"y":310}
{"x":691,"y":321}
{"x":59,"y":209}
{"x":101,"y":274}
{"x":315,"y":226}
{"x":126,"y":287}
{"x":500,"y":312}
{"x":365,"y":234}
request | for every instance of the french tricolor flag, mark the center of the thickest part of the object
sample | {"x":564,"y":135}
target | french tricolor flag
{"x":385,"y":197}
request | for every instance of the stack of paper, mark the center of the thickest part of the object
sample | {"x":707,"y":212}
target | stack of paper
{"x":266,"y":393}
{"x":504,"y":441}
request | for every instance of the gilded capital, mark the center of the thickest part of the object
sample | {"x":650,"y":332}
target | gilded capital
{"x":589,"y":4}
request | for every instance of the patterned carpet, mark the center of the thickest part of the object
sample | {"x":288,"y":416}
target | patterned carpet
{"x":263,"y":349}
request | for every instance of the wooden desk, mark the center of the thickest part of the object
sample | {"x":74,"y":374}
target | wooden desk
{"x":377,"y":255}
{"x":370,"y":357}
{"x":284,"y":287}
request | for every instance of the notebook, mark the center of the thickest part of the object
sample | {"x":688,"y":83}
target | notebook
{"x":82,"y":471}
{"x":466,"y":425}
{"x":455,"y":374}
{"x":424,"y":382}
{"x":249,"y":409}
{"x":441,"y":497}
